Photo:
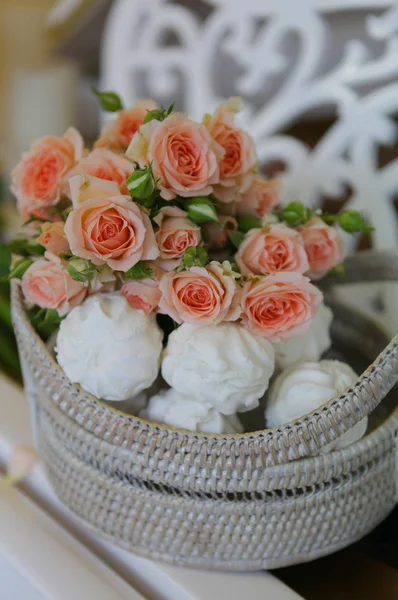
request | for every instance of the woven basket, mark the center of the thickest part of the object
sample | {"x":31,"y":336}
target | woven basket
{"x":246,"y":501}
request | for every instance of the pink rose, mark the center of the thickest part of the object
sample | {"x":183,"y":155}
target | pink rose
{"x":272,"y":249}
{"x":279,"y":306}
{"x":118,"y":133}
{"x":176,"y":233}
{"x":240,"y":160}
{"x":53,"y":237}
{"x":261,"y":197}
{"x":48,"y":284}
{"x":184,"y":157}
{"x":104,"y":164}
{"x":324,"y":246}
{"x":201,"y":295}
{"x":106,"y":227}
{"x":37,"y":179}
{"x":143,"y":294}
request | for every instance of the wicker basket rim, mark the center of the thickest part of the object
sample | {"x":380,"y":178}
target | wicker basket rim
{"x":307,"y":434}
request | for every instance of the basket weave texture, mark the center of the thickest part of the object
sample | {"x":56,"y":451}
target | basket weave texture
{"x":244,"y":501}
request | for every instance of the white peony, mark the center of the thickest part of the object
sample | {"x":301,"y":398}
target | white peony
{"x":308,"y":346}
{"x":111,"y":349}
{"x":169,"y":407}
{"x":303,"y":388}
{"x":222,"y":365}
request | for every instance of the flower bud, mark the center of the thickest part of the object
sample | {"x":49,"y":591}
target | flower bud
{"x":81,"y":269}
{"x":353,"y":222}
{"x":110,"y":101}
{"x":295,"y":214}
{"x":201,"y":209}
{"x":141,"y":184}
{"x":158,"y":114}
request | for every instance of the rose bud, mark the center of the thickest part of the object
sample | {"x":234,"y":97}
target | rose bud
{"x":81,"y":269}
{"x":141,"y":184}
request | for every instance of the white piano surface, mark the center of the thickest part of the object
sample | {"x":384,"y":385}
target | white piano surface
{"x":46,"y":553}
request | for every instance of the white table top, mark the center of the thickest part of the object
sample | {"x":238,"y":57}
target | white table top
{"x":51,"y":550}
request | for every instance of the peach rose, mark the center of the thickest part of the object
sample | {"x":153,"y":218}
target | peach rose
{"x":261,"y":197}
{"x":118,"y":133}
{"x":200,"y":295}
{"x":53,"y":237}
{"x":48,"y":284}
{"x":104,"y":164}
{"x":279,"y":306}
{"x":323,"y":245}
{"x":37,"y":179}
{"x":271,"y":249}
{"x":176,"y":233}
{"x":107,"y":227}
{"x":143,"y":294}
{"x":184,"y":156}
{"x":240,"y":160}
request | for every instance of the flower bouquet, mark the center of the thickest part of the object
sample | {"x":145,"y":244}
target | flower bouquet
{"x":182,"y":291}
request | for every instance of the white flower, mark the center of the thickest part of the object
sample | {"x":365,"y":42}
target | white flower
{"x":308,"y":346}
{"x":169,"y":407}
{"x":223,"y":365}
{"x":303,"y":388}
{"x":111,"y":349}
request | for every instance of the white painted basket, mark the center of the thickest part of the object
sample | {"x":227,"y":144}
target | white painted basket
{"x":247,"y":501}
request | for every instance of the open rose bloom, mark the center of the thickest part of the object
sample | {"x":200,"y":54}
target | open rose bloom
{"x":166,"y":226}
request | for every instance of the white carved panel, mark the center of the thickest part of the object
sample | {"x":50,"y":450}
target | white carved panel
{"x":276,"y":54}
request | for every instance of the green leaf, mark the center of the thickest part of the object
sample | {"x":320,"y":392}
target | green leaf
{"x":81,"y":269}
{"x":236,"y":237}
{"x":45,"y":321}
{"x":195,"y":256}
{"x":110,"y":101}
{"x":158,"y":114}
{"x":18,"y":269}
{"x":139,"y":271}
{"x":296,"y":214}
{"x":248,"y":222}
{"x":201,"y":209}
{"x":26,"y":247}
{"x":353,"y":222}
{"x":141,"y":183}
